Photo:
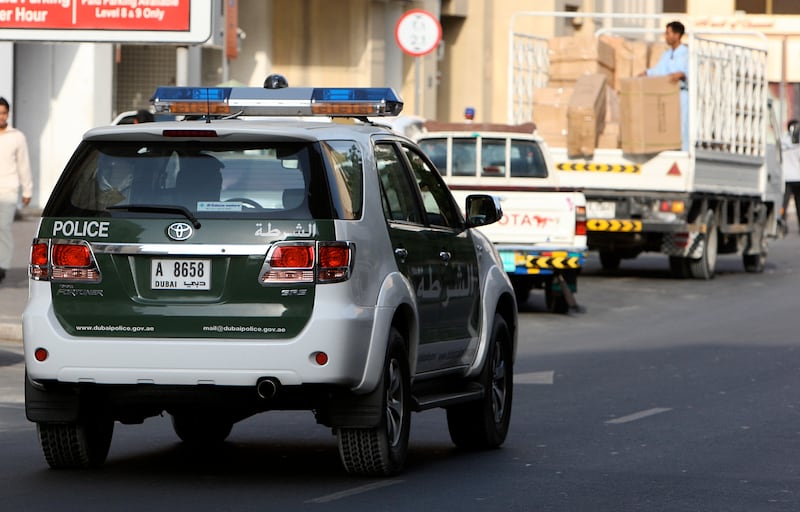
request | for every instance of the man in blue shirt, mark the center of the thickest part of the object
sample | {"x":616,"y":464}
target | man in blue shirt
{"x":675,"y":63}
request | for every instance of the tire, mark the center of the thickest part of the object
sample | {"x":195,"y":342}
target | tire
{"x":78,"y":445}
{"x":201,"y":430}
{"x":679,"y":267}
{"x":705,"y":266}
{"x":754,"y":263}
{"x":554,"y":301}
{"x":382,"y":450}
{"x":609,"y":260}
{"x":483,"y":424}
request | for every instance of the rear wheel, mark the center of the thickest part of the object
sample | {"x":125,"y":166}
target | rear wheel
{"x":79,"y":445}
{"x":705,"y":266}
{"x":483,"y":423}
{"x":754,"y":263}
{"x":381,"y":451}
{"x":679,"y":267}
{"x":200,"y":429}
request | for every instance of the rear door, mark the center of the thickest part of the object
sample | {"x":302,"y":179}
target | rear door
{"x":170,"y":238}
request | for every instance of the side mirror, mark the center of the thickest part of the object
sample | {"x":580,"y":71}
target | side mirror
{"x":482,"y":210}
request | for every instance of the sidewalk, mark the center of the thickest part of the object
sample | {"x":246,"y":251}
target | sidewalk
{"x":14,"y":288}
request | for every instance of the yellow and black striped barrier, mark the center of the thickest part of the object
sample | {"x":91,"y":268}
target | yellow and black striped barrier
{"x":616,"y":225}
{"x":554,"y":262}
{"x":593,"y":167}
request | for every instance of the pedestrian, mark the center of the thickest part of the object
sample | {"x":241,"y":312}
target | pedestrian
{"x":15,"y":174}
{"x":790,"y":155}
{"x":675,"y":63}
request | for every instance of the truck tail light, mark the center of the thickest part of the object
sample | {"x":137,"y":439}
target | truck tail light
{"x":307,"y":262}
{"x":580,"y":220}
{"x":63,"y":260}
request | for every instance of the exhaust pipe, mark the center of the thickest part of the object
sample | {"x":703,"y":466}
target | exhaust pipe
{"x":267,"y":387}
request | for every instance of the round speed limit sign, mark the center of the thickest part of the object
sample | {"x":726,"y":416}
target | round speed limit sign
{"x":418,"y":32}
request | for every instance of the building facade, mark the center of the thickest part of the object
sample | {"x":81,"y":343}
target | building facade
{"x":59,"y":90}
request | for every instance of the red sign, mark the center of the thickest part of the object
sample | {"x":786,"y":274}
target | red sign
{"x":150,"y":15}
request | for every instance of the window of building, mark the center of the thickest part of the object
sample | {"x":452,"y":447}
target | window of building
{"x":768,"y":6}
{"x":674,"y":5}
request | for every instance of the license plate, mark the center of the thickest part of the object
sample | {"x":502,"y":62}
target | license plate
{"x":180,"y":274}
{"x":600,"y":209}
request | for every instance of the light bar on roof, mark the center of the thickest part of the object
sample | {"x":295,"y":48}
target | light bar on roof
{"x":288,"y":101}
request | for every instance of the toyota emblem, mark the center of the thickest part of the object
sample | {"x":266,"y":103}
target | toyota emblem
{"x":180,"y":231}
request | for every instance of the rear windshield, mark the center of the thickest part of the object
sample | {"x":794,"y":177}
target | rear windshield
{"x":263,"y":180}
{"x":525,"y":158}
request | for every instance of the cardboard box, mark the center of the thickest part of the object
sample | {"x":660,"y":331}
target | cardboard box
{"x":630,"y":57}
{"x":550,"y":108}
{"x":554,"y":139}
{"x":654,"y":53}
{"x":586,"y":115}
{"x":573,"y":56}
{"x":571,"y":48}
{"x":609,"y":139}
{"x":650,"y":115}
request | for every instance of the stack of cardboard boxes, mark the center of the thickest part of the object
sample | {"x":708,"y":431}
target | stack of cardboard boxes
{"x":593,"y":99}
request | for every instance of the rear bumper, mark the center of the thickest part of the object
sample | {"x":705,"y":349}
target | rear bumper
{"x":526,"y":260}
{"x":344,"y":333}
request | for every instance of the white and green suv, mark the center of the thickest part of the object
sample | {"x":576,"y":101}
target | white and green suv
{"x":221,"y":267}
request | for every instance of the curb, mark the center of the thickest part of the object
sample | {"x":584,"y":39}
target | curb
{"x":11,"y":332}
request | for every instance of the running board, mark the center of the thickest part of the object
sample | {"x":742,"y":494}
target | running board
{"x":431,"y":401}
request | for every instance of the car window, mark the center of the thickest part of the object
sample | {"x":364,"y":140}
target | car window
{"x":436,"y":149}
{"x":347,"y":175}
{"x":436,"y":199}
{"x":397,"y":195}
{"x":464,"y":157}
{"x":217,"y":180}
{"x":493,"y":157}
{"x":527,"y":160}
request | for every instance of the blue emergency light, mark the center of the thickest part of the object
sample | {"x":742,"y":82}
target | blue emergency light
{"x":288,"y":101}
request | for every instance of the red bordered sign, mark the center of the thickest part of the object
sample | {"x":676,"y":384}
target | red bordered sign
{"x":418,"y":32}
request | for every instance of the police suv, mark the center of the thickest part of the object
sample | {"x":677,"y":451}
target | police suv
{"x":243,"y":262}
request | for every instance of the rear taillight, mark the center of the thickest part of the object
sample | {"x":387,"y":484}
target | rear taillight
{"x":334,"y":261}
{"x":63,"y":260}
{"x":580,"y":220}
{"x":307,"y":262}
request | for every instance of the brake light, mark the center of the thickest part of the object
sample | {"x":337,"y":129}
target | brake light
{"x":39,"y":266}
{"x":580,"y":220}
{"x":298,"y":256}
{"x":63,"y":261}
{"x":67,"y":255}
{"x":189,"y":133}
{"x":334,"y":262}
{"x":307,"y":262}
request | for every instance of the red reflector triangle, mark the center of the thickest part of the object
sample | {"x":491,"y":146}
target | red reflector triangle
{"x":674,"y":170}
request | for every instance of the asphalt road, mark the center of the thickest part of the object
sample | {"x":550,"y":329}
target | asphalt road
{"x":663,"y":395}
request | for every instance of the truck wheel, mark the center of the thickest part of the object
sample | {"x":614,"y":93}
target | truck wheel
{"x":201,"y":430}
{"x":704,"y":266}
{"x":609,"y":260}
{"x":381,"y":451}
{"x":483,"y":423}
{"x":679,"y":267}
{"x":79,"y":445}
{"x":754,"y":263}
